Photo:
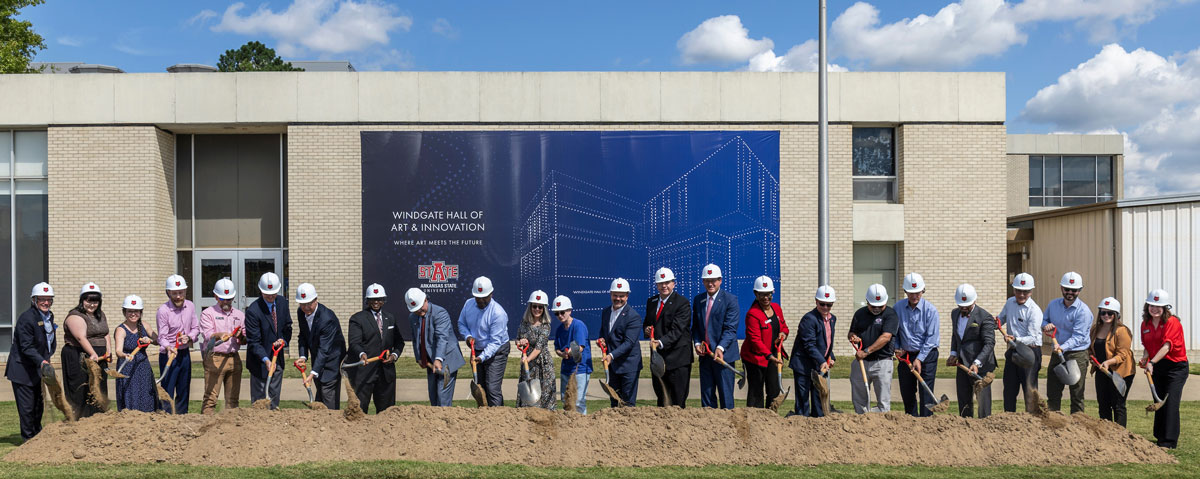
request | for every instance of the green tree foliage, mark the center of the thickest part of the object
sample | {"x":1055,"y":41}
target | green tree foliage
{"x":254,"y":57}
{"x":18,"y":42}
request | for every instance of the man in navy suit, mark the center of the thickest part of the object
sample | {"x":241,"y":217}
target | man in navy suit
{"x":620,"y":331}
{"x":268,"y":325}
{"x":812,"y":352}
{"x":321,"y":338}
{"x":714,"y":334}
{"x":371,"y":332}
{"x":668,"y":324}
{"x":33,"y":343}
{"x":434,"y":346}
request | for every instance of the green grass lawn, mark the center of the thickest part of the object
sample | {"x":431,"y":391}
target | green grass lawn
{"x":1188,"y":455}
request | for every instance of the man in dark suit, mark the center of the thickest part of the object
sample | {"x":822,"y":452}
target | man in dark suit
{"x":812,"y":352}
{"x":33,"y":343}
{"x":972,"y":344}
{"x":373,"y":331}
{"x":435,"y":347}
{"x":268,"y":325}
{"x":714,"y":335}
{"x":321,"y":338}
{"x":620,"y":332}
{"x":668,"y":320}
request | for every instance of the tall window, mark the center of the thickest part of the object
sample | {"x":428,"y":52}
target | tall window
{"x":874,"y":263}
{"x":1070,"y":180}
{"x":874,"y":164}
{"x":24,"y":250}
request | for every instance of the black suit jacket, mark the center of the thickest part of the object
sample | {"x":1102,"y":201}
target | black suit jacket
{"x":261,"y":334}
{"x":365,"y":338}
{"x":810,"y":350}
{"x":978,"y":340}
{"x":623,"y":341}
{"x":29,"y":349}
{"x":673,"y":327}
{"x":323,"y":345}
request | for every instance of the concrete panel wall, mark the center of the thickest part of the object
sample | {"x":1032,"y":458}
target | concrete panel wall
{"x":1159,"y":248}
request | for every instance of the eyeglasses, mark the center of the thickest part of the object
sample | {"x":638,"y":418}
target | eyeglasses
{"x":560,"y":313}
{"x":92,"y":300}
{"x":537,"y":306}
{"x":1108,"y":313}
{"x":1071,"y":290}
{"x":824,"y":305}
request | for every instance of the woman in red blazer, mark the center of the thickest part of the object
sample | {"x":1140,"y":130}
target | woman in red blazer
{"x":762,"y":349}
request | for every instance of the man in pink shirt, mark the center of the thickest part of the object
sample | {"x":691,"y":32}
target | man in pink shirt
{"x":222,"y":365}
{"x":176,"y":321}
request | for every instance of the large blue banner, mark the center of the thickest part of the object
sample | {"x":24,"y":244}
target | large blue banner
{"x":566,"y":212}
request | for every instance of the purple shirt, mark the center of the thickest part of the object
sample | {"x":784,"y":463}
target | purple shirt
{"x":171,"y":320}
{"x":214,"y":322}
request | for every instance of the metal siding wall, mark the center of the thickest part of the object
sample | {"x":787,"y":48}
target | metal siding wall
{"x":1082,"y":243}
{"x":1161,"y":252}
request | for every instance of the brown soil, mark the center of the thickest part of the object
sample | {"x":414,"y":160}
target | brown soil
{"x":164,"y":397}
{"x":1035,"y":404}
{"x":353,"y":410}
{"x":95,"y":376}
{"x":262,"y":404}
{"x":54,"y":389}
{"x":641,"y":436}
{"x":571,"y":395}
{"x":320,"y":406}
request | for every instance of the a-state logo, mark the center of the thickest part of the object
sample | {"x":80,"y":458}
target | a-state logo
{"x":438,"y":272}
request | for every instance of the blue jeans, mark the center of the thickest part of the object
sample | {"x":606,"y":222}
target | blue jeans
{"x":581,"y":384}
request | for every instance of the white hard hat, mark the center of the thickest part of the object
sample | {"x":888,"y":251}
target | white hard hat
{"x":965,"y":295}
{"x":763,"y":284}
{"x":1110,"y":303}
{"x":375,"y":291}
{"x":269,"y":283}
{"x":42,"y":289}
{"x":305,"y":293}
{"x":619,"y":285}
{"x":482,"y":287}
{"x":539,"y":297}
{"x":414,"y":298}
{"x":224,"y":289}
{"x":826,"y":294}
{"x":1023,"y":282}
{"x":877,"y":295}
{"x":1158,"y":297}
{"x":561,"y":303}
{"x":1071,"y":280}
{"x":711,"y":271}
{"x":913,"y":283}
{"x":89,"y":288}
{"x":133,"y":301}
{"x":663,"y":275}
{"x":176,"y":282}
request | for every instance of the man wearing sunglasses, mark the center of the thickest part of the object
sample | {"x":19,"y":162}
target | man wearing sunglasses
{"x":1073,"y":321}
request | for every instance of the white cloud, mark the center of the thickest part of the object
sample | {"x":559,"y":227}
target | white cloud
{"x":69,"y":41}
{"x":443,"y":27}
{"x":959,"y":33}
{"x":201,"y":18}
{"x":800,"y":58}
{"x":721,"y":39}
{"x":323,"y":26}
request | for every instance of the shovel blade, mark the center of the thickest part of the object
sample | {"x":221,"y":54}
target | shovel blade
{"x":525,"y":392}
{"x":612,"y":393}
{"x":1022,"y":355}
{"x":477,"y":393}
{"x":658,"y":367}
{"x":1119,"y":383}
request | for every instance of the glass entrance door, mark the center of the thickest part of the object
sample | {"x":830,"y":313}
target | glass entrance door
{"x":243,"y":267}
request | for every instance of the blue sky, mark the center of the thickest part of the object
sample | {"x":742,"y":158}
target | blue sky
{"x":1123,"y":66}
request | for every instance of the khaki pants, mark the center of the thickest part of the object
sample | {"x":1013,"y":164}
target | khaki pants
{"x":222,"y":368}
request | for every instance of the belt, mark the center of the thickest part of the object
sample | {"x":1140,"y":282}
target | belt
{"x":224,"y":354}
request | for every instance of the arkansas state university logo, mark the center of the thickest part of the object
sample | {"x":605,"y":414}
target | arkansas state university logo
{"x":438,"y":272}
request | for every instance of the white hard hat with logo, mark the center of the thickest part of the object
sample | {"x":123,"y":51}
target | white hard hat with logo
{"x":89,"y":288}
{"x":539,"y":297}
{"x":619,"y":285}
{"x":414,"y":298}
{"x":1158,"y":297}
{"x":877,"y":295}
{"x":763,"y":284}
{"x":826,"y":294}
{"x":913,"y":283}
{"x":42,"y":289}
{"x":482,"y":287}
{"x":1071,"y":280}
{"x":134,"y":302}
{"x":305,"y":293}
{"x":376,"y":291}
{"x":176,"y":283}
{"x":965,"y":295}
{"x":561,"y":303}
{"x":224,"y":289}
{"x":1023,"y":282}
{"x":1110,"y":303}
{"x":663,"y":275}
{"x":269,"y":283}
{"x":711,"y":271}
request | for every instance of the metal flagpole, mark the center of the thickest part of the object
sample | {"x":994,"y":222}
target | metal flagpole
{"x":822,"y":158}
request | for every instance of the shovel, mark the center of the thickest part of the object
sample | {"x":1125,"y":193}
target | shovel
{"x":778,"y":401}
{"x":129,"y":360}
{"x":306,"y":388}
{"x":741,"y":376}
{"x":274,"y":359}
{"x":215,"y":341}
{"x":114,"y":373}
{"x":529,"y":391}
{"x":1022,"y":355}
{"x":1117,"y":380}
{"x":862,"y":366}
{"x":162,"y":393}
{"x":943,"y":403}
{"x":612,"y":393}
{"x":658,"y":367}
{"x":1067,"y":372}
{"x":980,"y":381}
{"x":56,"y":392}
{"x":476,"y":389}
{"x":1158,"y":402}
{"x":365,"y":361}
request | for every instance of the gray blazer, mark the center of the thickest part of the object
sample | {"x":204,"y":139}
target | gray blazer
{"x":440,"y":341}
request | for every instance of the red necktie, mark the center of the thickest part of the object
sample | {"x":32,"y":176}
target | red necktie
{"x":659,"y":313}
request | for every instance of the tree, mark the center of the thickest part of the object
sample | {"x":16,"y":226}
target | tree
{"x":254,"y":57}
{"x":18,"y":42}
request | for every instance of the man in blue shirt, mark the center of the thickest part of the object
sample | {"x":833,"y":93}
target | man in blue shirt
{"x":484,"y":324}
{"x":572,"y":331}
{"x":917,"y":341}
{"x":1073,"y":321}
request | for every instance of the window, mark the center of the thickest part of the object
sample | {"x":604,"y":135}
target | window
{"x":874,"y":151}
{"x":1070,"y":180}
{"x":24,"y":248}
{"x":874,"y":263}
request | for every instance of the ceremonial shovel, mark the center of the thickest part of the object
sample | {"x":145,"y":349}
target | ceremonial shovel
{"x":140,"y":347}
{"x":862,"y":366}
{"x":162,"y":393}
{"x":741,"y":376}
{"x":943,"y":403}
{"x":306,"y":388}
{"x":476,"y":389}
{"x":114,"y":373}
{"x":1022,"y":355}
{"x":1117,"y":380}
{"x":274,"y":359}
{"x":778,"y":401}
{"x":1066,"y":371}
{"x":528,"y":390}
{"x":1158,"y":402}
{"x":612,"y":393}
{"x":658,"y":367}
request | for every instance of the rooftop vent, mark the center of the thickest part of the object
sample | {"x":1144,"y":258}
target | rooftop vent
{"x":191,"y":68}
{"x":95,"y":68}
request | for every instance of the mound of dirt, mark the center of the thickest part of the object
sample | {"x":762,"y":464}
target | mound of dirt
{"x":640,"y":436}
